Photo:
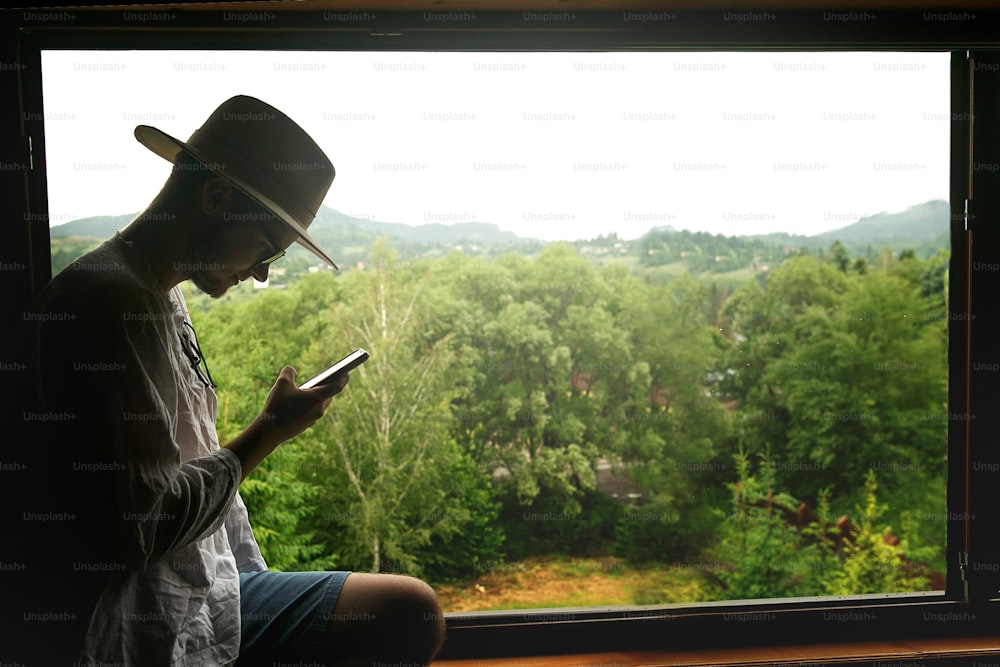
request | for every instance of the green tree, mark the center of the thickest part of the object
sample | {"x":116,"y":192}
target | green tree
{"x":841,"y":374}
{"x":394,"y":481}
{"x":545,"y":351}
{"x":760,"y":552}
{"x":246,"y":340}
{"x":871,"y":563}
{"x":670,"y":425}
{"x":839,"y":256}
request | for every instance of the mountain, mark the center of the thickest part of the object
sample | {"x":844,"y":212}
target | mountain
{"x":330,"y":222}
{"x":426,"y":234}
{"x":915,"y":226}
{"x":97,"y":227}
{"x":924,"y":228}
{"x":925,"y":222}
{"x":347,"y":238}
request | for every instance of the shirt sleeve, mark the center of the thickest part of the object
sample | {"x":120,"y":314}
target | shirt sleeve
{"x":241,"y":539}
{"x":110,"y":368}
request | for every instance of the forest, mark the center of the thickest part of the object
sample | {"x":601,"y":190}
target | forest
{"x":783,"y":437}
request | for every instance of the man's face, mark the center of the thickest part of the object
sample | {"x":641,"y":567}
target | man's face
{"x":235,"y":249}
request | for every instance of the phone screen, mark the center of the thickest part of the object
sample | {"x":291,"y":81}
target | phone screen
{"x":353,"y":360}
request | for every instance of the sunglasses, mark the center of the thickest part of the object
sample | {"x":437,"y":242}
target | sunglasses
{"x":272,"y":258}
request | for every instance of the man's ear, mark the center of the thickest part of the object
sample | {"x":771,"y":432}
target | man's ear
{"x":216,"y":195}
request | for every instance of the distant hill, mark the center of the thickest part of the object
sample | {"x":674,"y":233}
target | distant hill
{"x":348,"y":239}
{"x":97,"y":227}
{"x":916,"y":226}
{"x":330,"y":222}
{"x":919,"y":224}
{"x":923,"y":228}
{"x":426,"y":234}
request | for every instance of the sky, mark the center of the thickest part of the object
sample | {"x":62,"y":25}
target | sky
{"x":547,"y":145}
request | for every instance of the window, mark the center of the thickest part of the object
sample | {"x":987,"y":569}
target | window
{"x":722,"y":192}
{"x":446,"y":121}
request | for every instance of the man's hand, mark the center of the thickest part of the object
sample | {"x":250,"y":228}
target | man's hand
{"x":287,"y":412}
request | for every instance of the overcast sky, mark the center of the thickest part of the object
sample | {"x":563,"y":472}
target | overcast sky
{"x":552,"y":146}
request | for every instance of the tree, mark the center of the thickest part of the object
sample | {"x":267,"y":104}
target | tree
{"x":246,"y":341}
{"x":542,"y":355}
{"x":839,"y":256}
{"x":393,"y":475}
{"x":846,"y":377}
{"x":760,"y":554}
{"x":766,"y":550}
{"x":871,"y":564}
{"x":670,"y":426}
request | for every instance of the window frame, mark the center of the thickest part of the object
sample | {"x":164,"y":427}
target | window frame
{"x":972,"y":582}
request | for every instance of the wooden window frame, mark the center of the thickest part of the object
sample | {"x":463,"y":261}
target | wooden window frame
{"x":968,"y":607}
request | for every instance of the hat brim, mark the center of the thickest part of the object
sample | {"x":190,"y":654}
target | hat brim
{"x":168,"y":147}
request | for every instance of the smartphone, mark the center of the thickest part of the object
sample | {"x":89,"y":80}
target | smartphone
{"x":353,"y":360}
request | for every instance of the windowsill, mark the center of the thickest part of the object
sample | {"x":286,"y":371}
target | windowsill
{"x":951,"y":649}
{"x":920,"y":629}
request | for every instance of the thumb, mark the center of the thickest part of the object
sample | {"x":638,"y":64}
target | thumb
{"x":288,"y":373}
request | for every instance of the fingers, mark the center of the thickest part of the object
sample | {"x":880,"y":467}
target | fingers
{"x":290,"y":410}
{"x":324,"y":392}
{"x":332,"y":388}
{"x":335,"y":388}
{"x":328,"y":391}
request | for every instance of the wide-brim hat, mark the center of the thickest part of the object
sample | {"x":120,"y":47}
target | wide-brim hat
{"x":262,"y":152}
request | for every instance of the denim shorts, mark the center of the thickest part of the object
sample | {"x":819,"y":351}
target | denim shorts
{"x":284,"y":615}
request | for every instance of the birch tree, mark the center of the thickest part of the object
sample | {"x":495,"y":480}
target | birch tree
{"x":388,"y":467}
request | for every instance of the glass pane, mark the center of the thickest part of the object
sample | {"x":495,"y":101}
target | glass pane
{"x":645,"y":327}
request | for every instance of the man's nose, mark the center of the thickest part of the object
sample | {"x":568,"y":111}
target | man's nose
{"x":259,"y":272}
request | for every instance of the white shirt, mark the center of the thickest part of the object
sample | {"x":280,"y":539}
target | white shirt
{"x":184,"y":531}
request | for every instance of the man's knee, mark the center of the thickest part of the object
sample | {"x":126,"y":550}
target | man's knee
{"x":413,"y":610}
{"x":399,"y":618}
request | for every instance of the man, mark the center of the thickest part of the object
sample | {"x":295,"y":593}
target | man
{"x":134,"y":540}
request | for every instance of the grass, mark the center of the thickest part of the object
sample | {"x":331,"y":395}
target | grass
{"x":562,"y":581}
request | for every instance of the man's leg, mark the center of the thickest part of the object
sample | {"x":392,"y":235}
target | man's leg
{"x":337,"y":618}
{"x":385,"y":619}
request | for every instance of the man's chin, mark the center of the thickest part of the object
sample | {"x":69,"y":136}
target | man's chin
{"x":214,"y":288}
